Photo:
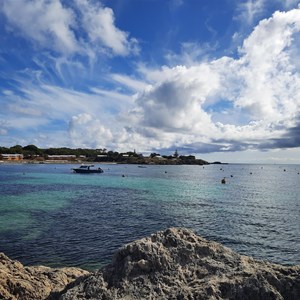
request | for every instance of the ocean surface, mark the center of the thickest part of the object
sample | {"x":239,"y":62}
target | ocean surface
{"x":53,"y":217}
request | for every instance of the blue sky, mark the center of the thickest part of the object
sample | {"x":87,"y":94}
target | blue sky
{"x":218,"y":79}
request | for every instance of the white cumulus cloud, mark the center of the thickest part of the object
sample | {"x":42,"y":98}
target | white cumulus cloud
{"x":86,"y":131}
{"x":47,"y":23}
{"x":258,"y":92}
{"x":98,"y":23}
{"x":85,"y":27}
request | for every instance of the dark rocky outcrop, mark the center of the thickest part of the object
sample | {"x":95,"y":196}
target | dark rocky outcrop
{"x":30,"y":283}
{"x":171,"y":264}
{"x":178,"y":264}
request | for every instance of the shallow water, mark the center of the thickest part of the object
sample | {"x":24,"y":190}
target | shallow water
{"x":51,"y":216}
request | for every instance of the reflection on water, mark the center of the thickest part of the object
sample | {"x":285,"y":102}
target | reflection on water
{"x":51,"y":216}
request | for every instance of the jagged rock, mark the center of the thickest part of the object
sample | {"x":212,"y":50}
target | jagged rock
{"x":19,"y":282}
{"x":171,"y":264}
{"x":178,"y":264}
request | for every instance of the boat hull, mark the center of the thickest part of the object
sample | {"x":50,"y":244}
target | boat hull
{"x":87,"y":171}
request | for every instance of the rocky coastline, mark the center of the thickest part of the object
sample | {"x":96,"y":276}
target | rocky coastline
{"x":171,"y":264}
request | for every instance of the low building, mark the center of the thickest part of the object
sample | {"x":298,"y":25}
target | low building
{"x":12,"y":157}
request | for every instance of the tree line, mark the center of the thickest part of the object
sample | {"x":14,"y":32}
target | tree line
{"x":32,"y":150}
{"x":101,"y":155}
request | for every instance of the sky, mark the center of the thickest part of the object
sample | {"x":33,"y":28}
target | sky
{"x":219,"y":79}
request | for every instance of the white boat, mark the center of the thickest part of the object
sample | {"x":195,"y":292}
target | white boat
{"x":86,"y":169}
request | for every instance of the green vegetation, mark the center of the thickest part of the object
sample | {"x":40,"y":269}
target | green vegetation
{"x":33,"y":153}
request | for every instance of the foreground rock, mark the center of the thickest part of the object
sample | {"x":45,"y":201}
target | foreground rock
{"x":19,"y":282}
{"x":171,"y":264}
{"x":177,"y":264}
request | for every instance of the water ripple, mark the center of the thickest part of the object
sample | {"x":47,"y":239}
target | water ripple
{"x":53,"y":217}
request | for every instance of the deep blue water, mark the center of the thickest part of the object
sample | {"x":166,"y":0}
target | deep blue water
{"x":51,"y":216}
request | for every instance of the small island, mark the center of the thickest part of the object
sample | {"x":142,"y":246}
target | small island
{"x":33,"y":154}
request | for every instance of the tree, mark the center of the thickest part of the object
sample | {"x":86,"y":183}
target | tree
{"x":4,"y":150}
{"x":16,"y":149}
{"x":31,"y":151}
{"x":176,"y":153}
{"x":32,"y":148}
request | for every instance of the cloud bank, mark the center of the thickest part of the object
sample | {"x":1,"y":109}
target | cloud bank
{"x":234,"y":104}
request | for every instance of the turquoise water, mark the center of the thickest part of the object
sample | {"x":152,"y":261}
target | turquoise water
{"x":51,"y":216}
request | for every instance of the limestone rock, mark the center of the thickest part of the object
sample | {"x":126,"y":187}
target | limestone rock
{"x":178,"y":264}
{"x":20,"y":282}
{"x":170,"y":264}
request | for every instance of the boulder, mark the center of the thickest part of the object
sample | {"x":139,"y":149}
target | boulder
{"x":29,"y":283}
{"x":178,"y":264}
{"x":170,"y":264}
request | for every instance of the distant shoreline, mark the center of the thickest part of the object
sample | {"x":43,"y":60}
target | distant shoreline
{"x":32,"y":162}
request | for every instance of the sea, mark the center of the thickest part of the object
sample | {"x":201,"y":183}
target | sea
{"x":51,"y":216}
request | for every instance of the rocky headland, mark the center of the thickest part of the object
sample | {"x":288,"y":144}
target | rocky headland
{"x":171,"y":264}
